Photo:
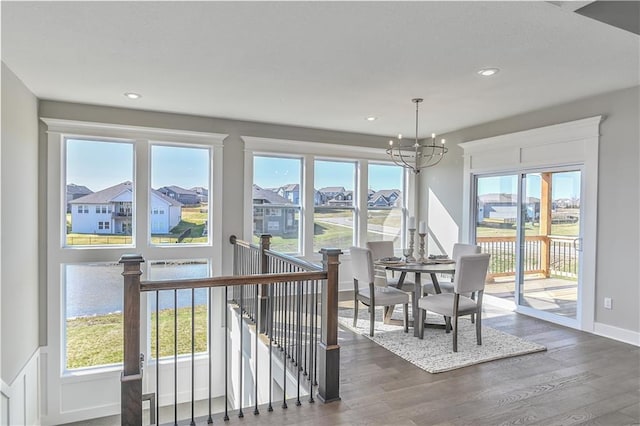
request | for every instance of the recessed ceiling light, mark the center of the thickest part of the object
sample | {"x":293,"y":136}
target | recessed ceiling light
{"x":488,"y":72}
{"x":372,"y":118}
{"x":132,"y":95}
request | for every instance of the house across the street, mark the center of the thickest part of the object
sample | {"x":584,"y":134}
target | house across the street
{"x":76,"y":191}
{"x":182,"y":195}
{"x":109,"y":212}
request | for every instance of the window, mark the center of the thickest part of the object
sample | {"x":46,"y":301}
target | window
{"x":277,"y":182}
{"x":324,"y":187}
{"x":107,"y":168}
{"x":334,"y":214}
{"x":385,"y":208}
{"x":176,"y":173}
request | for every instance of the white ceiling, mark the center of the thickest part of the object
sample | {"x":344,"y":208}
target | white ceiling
{"x":318,"y":64}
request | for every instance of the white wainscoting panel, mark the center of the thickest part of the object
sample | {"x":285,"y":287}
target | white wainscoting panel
{"x":21,"y":398}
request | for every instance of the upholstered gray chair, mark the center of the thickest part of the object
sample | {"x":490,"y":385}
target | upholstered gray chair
{"x":381,"y":250}
{"x":459,"y":249}
{"x":470,"y":276}
{"x":365,"y":291}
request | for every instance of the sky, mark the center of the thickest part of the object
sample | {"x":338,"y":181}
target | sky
{"x":99,"y":165}
{"x":272,"y":172}
{"x":563,"y":185}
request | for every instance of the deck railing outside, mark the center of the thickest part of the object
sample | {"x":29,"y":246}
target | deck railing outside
{"x":290,"y":305}
{"x":544,"y":255}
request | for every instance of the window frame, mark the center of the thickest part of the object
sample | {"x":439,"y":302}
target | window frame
{"x":309,"y":151}
{"x":60,"y":381}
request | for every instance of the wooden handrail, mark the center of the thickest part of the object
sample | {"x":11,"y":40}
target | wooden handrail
{"x":231,"y":280}
{"x":328,"y":348}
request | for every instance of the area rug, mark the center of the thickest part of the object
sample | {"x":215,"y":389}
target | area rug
{"x":435,"y":352}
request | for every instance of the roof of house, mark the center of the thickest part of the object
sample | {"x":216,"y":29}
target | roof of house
{"x":179,"y":190}
{"x":332,"y":189}
{"x":74,"y":189}
{"x":290,"y":187}
{"x":200,"y":190}
{"x":268,"y":196}
{"x":107,"y":195}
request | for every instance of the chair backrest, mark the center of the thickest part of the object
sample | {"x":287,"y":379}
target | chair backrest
{"x":380,"y":249}
{"x":362,"y":265}
{"x":471,"y":272}
{"x":460,"y":249}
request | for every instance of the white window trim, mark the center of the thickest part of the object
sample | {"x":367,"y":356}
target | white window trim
{"x":63,"y":387}
{"x":565,"y":144}
{"x":309,"y":152}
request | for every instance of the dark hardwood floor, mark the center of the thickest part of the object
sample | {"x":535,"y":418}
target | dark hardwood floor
{"x":581,"y":379}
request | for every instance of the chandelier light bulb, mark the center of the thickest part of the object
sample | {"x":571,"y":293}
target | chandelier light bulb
{"x":399,"y":135}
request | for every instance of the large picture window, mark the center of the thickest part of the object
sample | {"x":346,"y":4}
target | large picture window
{"x":179,"y":186}
{"x":276,"y":199}
{"x":334,"y":212}
{"x":385,"y":203}
{"x":99,"y":181}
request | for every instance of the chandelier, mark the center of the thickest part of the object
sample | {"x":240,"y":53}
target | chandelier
{"x":416,"y":156}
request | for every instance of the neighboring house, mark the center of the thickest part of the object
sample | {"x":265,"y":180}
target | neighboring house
{"x":76,"y":191}
{"x":291,"y":192}
{"x":504,"y":207}
{"x":109,"y":212}
{"x":275,"y":217}
{"x":332,"y":193}
{"x":184,"y":196}
{"x":385,"y":198}
{"x":203,"y":193}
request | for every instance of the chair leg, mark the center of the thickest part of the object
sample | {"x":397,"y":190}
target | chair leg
{"x":355,"y":312}
{"x":406,"y":317}
{"x":479,"y":328}
{"x":421,"y":314}
{"x":455,"y":333}
{"x":372,"y":319}
{"x":447,"y":324}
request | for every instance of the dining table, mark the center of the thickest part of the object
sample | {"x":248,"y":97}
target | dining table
{"x":431,"y":267}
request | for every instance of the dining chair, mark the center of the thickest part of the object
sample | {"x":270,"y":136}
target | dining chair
{"x":470,"y":276}
{"x":384,"y":249}
{"x":370,"y":294}
{"x":459,"y":249}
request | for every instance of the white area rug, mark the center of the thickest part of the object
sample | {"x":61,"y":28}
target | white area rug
{"x":435,"y":353}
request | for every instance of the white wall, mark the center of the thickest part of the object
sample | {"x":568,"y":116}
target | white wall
{"x":617,"y":268}
{"x":19,"y":261}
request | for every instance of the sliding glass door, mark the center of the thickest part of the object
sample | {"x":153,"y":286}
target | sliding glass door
{"x":530,"y":224}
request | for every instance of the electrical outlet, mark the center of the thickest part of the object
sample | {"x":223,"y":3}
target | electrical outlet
{"x":607,"y":303}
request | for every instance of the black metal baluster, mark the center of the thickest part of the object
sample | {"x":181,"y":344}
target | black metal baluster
{"x":210,"y":295}
{"x":305,"y":336}
{"x":270,"y":304}
{"x":299,"y":334}
{"x":284,"y":356}
{"x":315,"y":351}
{"x":240,"y":413}
{"x":226,"y":353}
{"x":157,"y":357}
{"x":312,"y":349}
{"x":193,"y":358}
{"x":175,"y":357}
{"x":255,"y":301}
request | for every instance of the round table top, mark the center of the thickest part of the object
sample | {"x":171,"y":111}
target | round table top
{"x":420,"y":267}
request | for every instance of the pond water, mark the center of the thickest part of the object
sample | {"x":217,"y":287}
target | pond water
{"x":97,"y":289}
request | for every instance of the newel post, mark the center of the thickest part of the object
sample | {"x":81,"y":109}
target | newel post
{"x":265,"y":244}
{"x":329,"y":355}
{"x":131,"y":378}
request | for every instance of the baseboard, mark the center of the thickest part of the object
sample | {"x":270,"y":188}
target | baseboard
{"x":21,"y":398}
{"x":617,"y":333}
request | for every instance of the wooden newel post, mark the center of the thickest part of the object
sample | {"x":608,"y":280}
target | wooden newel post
{"x":329,"y":355}
{"x":265,"y":244}
{"x":131,"y":378}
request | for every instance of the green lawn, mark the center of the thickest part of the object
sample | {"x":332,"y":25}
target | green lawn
{"x":98,"y":340}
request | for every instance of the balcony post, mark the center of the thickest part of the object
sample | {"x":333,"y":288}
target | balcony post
{"x":131,"y":378}
{"x":329,"y":354}
{"x":265,"y":243}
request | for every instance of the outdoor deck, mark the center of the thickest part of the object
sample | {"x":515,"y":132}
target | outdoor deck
{"x":553,"y":295}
